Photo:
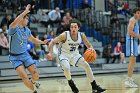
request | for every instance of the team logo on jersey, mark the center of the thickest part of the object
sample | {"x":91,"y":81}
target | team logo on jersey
{"x":73,"y":44}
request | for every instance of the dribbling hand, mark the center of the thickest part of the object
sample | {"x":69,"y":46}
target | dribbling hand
{"x":46,"y":41}
{"x":91,"y":49}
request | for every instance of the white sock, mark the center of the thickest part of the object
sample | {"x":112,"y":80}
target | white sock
{"x":129,"y":77}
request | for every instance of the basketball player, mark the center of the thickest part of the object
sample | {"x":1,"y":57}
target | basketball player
{"x":69,"y":54}
{"x":132,"y":45}
{"x":19,"y":35}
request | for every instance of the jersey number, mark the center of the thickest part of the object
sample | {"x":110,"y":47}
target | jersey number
{"x":72,"y":48}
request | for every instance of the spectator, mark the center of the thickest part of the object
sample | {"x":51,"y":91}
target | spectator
{"x":114,"y":23}
{"x":51,"y":35}
{"x":31,"y":50}
{"x":39,"y":51}
{"x":54,"y":16}
{"x":118,"y":54}
{"x":4,"y":45}
{"x":44,"y":46}
{"x":114,"y":19}
{"x":108,"y":53}
{"x":5,"y":30}
{"x":64,"y":26}
{"x":67,"y":18}
{"x":44,"y":19}
{"x":7,"y":20}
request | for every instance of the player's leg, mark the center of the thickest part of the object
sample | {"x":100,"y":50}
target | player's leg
{"x":18,"y":64}
{"x":35,"y":76}
{"x":23,"y":75}
{"x":64,"y":62}
{"x":132,"y":52}
{"x":129,"y":81}
{"x":31,"y":67}
{"x":80,"y":62}
{"x":131,"y":65}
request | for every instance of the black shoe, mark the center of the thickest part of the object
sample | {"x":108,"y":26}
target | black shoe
{"x":73,"y":86}
{"x":96,"y":88}
{"x":35,"y":91}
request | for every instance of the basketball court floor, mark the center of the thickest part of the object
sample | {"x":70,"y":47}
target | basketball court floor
{"x":114,"y":83}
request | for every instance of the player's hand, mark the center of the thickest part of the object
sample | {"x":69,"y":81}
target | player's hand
{"x":49,"y":56}
{"x":28,"y":8}
{"x":139,"y":37}
{"x":91,"y":49}
{"x":46,"y":41}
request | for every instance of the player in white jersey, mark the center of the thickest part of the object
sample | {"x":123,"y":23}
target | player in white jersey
{"x":69,"y":54}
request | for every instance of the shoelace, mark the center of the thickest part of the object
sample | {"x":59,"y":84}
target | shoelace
{"x":132,"y":82}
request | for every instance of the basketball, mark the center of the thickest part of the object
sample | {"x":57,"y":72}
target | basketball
{"x":89,"y":56}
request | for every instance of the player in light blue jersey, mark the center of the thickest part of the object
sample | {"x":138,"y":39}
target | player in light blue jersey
{"x":132,"y":40}
{"x":68,"y":54}
{"x":19,"y":35}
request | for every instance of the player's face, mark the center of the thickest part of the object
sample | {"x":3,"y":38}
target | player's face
{"x":137,"y":15}
{"x":74,"y":28}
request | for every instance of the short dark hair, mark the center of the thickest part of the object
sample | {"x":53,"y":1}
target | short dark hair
{"x":136,"y":9}
{"x":75,"y":21}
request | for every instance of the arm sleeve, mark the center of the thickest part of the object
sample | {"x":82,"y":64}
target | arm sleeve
{"x":12,"y":31}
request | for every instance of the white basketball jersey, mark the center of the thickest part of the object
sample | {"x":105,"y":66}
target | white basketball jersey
{"x":70,"y":46}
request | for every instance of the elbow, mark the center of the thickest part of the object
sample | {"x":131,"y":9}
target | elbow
{"x":129,"y":32}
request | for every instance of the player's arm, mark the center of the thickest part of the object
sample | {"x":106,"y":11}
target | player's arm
{"x":20,"y":17}
{"x":86,"y":42}
{"x":131,"y":26}
{"x":58,"y":39}
{"x":37,"y":41}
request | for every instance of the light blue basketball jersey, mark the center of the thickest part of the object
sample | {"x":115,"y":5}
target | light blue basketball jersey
{"x":18,"y":38}
{"x":132,"y":42}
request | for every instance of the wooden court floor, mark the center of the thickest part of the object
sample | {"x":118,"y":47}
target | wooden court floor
{"x":114,"y":83}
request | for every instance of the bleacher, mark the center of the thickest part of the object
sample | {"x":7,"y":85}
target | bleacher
{"x":96,"y":27}
{"x":49,"y":69}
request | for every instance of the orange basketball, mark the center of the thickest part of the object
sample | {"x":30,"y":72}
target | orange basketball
{"x":89,"y":56}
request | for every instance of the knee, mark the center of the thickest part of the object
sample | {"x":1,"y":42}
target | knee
{"x":67,"y":69}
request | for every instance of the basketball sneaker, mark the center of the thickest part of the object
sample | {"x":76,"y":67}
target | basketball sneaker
{"x":73,"y":86}
{"x":130,"y":83}
{"x":36,"y":84}
{"x":35,"y":91}
{"x":96,"y":88}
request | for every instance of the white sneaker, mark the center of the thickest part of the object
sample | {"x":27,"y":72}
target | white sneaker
{"x":130,"y":83}
{"x":58,"y":65}
{"x":37,"y":85}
